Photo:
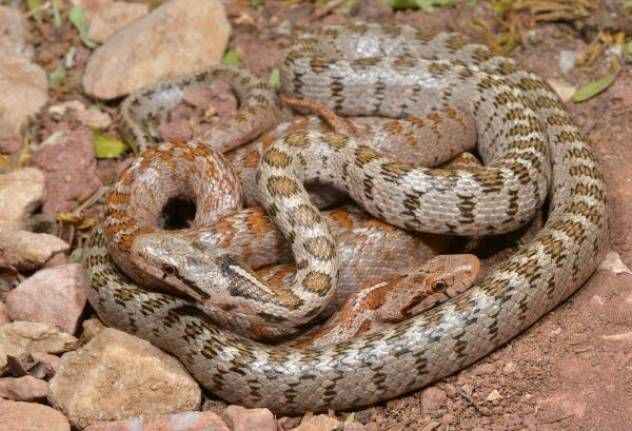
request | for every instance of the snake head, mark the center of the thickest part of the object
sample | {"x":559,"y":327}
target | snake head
{"x":179,"y":264}
{"x":183,"y":265}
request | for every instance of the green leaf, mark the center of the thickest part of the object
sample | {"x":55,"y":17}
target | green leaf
{"x":425,"y":5}
{"x":56,"y":14}
{"x":35,"y":8}
{"x":77,"y":255}
{"x":107,"y":147}
{"x":256,"y":3}
{"x":57,"y":76}
{"x":77,"y":17}
{"x":627,"y":52}
{"x":593,"y":88}
{"x":502,"y":6}
{"x":231,"y":58}
{"x":275,"y":79}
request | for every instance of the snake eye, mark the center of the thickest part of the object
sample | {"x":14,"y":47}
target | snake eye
{"x":169,"y":270}
{"x":439,"y":286}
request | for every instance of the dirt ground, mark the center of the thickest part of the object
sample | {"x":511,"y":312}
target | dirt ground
{"x":573,"y":369}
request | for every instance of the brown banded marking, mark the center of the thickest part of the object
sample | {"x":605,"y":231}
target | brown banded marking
{"x":320,"y":247}
{"x":365,"y":155}
{"x":277,"y":158}
{"x":317,"y":282}
{"x":282,"y":186}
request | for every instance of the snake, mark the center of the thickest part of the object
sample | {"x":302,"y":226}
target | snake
{"x":534,"y":156}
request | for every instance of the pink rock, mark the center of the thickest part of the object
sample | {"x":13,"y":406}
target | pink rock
{"x":53,"y":295}
{"x":92,"y":117}
{"x":46,"y":365}
{"x":318,"y":423}
{"x":24,"y":87}
{"x":70,"y":166}
{"x":38,"y":364}
{"x":14,"y":31}
{"x":116,"y":376}
{"x":19,"y":338}
{"x":21,"y":191}
{"x":433,"y":399}
{"x":142,"y":53}
{"x":26,"y":388}
{"x":10,"y":144}
{"x":112,"y":17}
{"x":21,"y":416}
{"x":242,"y":419}
{"x":187,"y":421}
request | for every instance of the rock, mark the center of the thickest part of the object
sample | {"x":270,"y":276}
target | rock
{"x":91,"y":117}
{"x":112,"y":17}
{"x":258,"y":56}
{"x":21,"y":191}
{"x":20,"y":416}
{"x":70,"y":165}
{"x":568,"y":59}
{"x":10,"y":144}
{"x":612,"y":262}
{"x":38,"y":365}
{"x":27,"y":250}
{"x":17,"y":338}
{"x":564,"y":89}
{"x":318,"y":423}
{"x":57,"y":259}
{"x":24,"y":89}
{"x":46,"y":365}
{"x":242,"y":419}
{"x":484,"y":369}
{"x":116,"y":376}
{"x":433,"y":399}
{"x":448,"y":419}
{"x":13,"y":29}
{"x":26,"y":388}
{"x":55,"y":296}
{"x":91,"y":328}
{"x":494,"y":395}
{"x":188,"y":421}
{"x":179,"y":37}
{"x":22,"y":83}
{"x":561,"y":405}
{"x":509,"y":368}
{"x":354,"y":426}
{"x":433,"y":425}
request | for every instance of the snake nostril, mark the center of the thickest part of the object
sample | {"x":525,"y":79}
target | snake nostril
{"x":178,"y":213}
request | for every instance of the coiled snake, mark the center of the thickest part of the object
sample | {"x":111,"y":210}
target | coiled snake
{"x":530,"y":147}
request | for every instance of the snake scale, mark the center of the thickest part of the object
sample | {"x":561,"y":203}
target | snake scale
{"x":530,"y":147}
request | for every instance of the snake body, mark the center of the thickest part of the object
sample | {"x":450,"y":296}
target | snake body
{"x":530,"y":146}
